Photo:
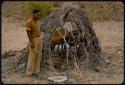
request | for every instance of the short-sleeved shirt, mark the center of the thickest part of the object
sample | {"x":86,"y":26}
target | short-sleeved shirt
{"x":34,"y":27}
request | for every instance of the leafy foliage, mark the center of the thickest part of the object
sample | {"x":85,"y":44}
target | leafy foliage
{"x":44,"y":7}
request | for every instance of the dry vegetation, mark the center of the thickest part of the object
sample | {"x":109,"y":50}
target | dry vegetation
{"x":97,"y":11}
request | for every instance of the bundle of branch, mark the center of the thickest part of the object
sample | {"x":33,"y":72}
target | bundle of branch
{"x":89,"y":47}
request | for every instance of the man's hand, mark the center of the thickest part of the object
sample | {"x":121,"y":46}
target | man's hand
{"x":30,"y":39}
{"x":32,"y":44}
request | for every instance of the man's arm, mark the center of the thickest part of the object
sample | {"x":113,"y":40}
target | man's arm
{"x":30,"y":38}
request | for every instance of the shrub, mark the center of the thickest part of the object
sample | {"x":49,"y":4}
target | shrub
{"x":44,"y":7}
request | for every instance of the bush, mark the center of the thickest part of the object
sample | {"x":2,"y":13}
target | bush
{"x":44,"y":7}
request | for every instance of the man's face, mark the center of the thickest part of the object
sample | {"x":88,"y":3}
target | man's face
{"x":36,"y":15}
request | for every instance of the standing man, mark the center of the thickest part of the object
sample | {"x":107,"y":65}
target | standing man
{"x":34,"y":44}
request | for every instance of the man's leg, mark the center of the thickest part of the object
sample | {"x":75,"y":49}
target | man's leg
{"x":38,"y":56}
{"x":31,"y":58}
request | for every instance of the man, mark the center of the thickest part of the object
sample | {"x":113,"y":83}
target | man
{"x":34,"y":44}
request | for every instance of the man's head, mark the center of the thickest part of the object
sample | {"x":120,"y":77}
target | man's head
{"x":36,"y":14}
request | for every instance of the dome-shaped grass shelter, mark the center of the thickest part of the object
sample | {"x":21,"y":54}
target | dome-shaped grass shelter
{"x":69,"y":26}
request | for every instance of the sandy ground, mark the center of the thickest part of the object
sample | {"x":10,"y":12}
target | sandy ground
{"x":110,"y":35}
{"x":13,"y":37}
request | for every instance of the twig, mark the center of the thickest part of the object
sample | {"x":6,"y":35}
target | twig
{"x":106,"y":72}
